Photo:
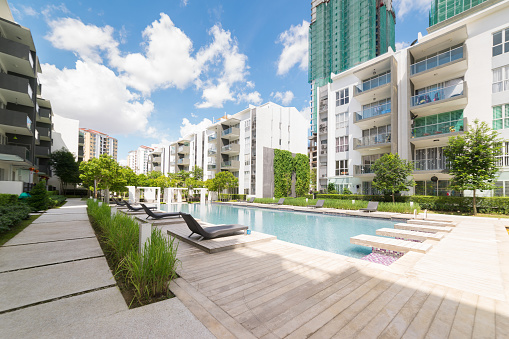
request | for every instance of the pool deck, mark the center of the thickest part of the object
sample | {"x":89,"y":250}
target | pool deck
{"x":275,"y":289}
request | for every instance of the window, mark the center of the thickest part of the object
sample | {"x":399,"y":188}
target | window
{"x":500,"y":42}
{"x":247,"y":144}
{"x":342,"y":167}
{"x":500,"y":79}
{"x":342,"y":120}
{"x":247,"y":125}
{"x":503,"y":159}
{"x":501,"y":117}
{"x":342,"y":97}
{"x":247,"y":162}
{"x":342,"y":144}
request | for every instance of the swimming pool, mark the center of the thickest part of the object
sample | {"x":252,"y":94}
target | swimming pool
{"x":323,"y":232}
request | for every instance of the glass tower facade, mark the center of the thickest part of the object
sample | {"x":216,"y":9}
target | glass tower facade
{"x":444,"y":9}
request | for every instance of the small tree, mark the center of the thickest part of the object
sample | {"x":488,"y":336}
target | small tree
{"x":104,"y":172}
{"x":473,"y":159}
{"x":391,"y":174}
{"x":312,"y":174}
{"x":223,"y":180}
{"x":65,"y":167}
{"x":331,"y":188}
{"x":39,"y":198}
{"x":197,"y":173}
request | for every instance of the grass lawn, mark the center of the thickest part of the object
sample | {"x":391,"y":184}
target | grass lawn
{"x":4,"y":237}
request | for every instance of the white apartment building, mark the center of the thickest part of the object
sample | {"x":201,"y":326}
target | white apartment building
{"x":411,"y":101}
{"x":138,"y":160}
{"x":98,"y":143}
{"x":243,"y":143}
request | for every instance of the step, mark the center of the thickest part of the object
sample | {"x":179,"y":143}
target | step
{"x":430,"y":222}
{"x":390,"y":244}
{"x":422,"y":228}
{"x":406,"y":234}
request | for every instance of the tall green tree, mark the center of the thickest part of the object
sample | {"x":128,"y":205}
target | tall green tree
{"x":391,"y":174}
{"x":223,"y":180}
{"x":65,"y":167}
{"x":473,"y":159}
{"x":103,"y":171}
{"x":197,"y":173}
{"x":39,"y":197}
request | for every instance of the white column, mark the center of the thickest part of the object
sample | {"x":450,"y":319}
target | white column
{"x":145,"y":234}
{"x":202,"y":195}
{"x":132,"y":194}
{"x":179,"y":195}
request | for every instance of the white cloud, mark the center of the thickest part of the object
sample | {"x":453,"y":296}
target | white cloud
{"x":306,"y":113}
{"x":188,"y":128}
{"x":251,"y":98}
{"x":80,"y":94}
{"x":29,"y":11}
{"x":285,"y":98}
{"x":50,"y":9}
{"x":405,"y":6}
{"x":184,"y":2}
{"x":193,"y":115}
{"x":295,"y":51}
{"x":401,"y":45}
{"x":85,"y":40}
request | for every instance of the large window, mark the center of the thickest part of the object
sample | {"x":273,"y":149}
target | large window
{"x":443,"y":123}
{"x":500,"y":42}
{"x":342,"y":144}
{"x":342,"y":97}
{"x":500,"y":79}
{"x":342,"y":120}
{"x":342,"y":167}
{"x":503,"y":160}
{"x":501,"y":117}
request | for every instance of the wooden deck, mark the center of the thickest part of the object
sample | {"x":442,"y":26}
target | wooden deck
{"x":390,"y":244}
{"x":459,"y":289}
{"x":412,"y":235}
{"x":422,"y":228}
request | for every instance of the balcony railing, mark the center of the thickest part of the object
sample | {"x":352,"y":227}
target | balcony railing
{"x":382,"y":138}
{"x":373,"y":83}
{"x":362,"y":169}
{"x":438,"y":129}
{"x":21,"y":152}
{"x":42,"y":151}
{"x":503,"y":160}
{"x":230,"y":164}
{"x":183,"y":149}
{"x":437,"y":95}
{"x":231,"y":148}
{"x":373,"y":112}
{"x":430,"y":165}
{"x":437,"y":60}
{"x":183,"y":162}
{"x":212,"y":137}
{"x":211,"y":167}
{"x":233,"y":131}
{"x":323,"y":128}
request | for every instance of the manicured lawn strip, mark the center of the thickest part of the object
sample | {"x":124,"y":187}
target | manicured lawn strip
{"x":6,"y":236}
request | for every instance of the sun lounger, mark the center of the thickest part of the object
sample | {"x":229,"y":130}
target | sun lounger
{"x":158,"y":215}
{"x":319,"y":204}
{"x":251,"y":200}
{"x":133,"y":209}
{"x":372,"y":207}
{"x":119,"y":202}
{"x":210,"y":232}
{"x":280,"y":202}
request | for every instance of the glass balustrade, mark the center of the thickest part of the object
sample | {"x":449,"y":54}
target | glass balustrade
{"x":373,"y":83}
{"x":437,"y":95}
{"x":437,"y":60}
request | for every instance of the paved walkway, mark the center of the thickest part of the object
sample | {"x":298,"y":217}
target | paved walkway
{"x":55,"y":283}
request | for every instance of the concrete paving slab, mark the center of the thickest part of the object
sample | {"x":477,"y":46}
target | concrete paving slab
{"x":52,"y":320}
{"x":79,"y":209}
{"x":62,"y":230}
{"x":30,"y":286}
{"x":24,"y":256}
{"x":51,"y":218}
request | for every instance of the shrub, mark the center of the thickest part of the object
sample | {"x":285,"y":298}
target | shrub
{"x":56,"y":200}
{"x":39,"y":200}
{"x":497,"y":205}
{"x":12,"y":214}
{"x":8,"y":199}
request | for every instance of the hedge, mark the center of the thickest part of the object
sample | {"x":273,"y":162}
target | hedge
{"x":223,"y":197}
{"x":56,"y":200}
{"x":381,"y":198}
{"x":12,"y":214}
{"x":8,"y":199}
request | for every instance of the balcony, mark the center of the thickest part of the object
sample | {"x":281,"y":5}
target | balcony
{"x":81,"y":140}
{"x":211,"y":167}
{"x":231,"y":149}
{"x":42,"y":152}
{"x":437,"y":134}
{"x":80,"y":153}
{"x":16,"y":57}
{"x":230,"y":165}
{"x":44,"y":133}
{"x":14,"y":153}
{"x":430,"y":165}
{"x":231,"y":133}
{"x":375,"y":89}
{"x":183,"y":149}
{"x":440,"y":100}
{"x":44,"y":115}
{"x":323,"y":128}
{"x":323,"y":149}
{"x":366,"y":118}
{"x":372,"y":144}
{"x":363,"y":170}
{"x":44,"y":169}
{"x":212,"y":152}
{"x":183,"y":162}
{"x":16,"y":89}
{"x":446,"y":65}
{"x":212,"y":137}
{"x":15,"y":122}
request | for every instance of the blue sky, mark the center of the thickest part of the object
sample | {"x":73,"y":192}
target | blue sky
{"x":150,"y":73}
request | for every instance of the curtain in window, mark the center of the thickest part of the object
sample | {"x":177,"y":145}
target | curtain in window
{"x":497,"y":80}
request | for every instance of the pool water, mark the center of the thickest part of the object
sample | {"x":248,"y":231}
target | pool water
{"x":323,"y":232}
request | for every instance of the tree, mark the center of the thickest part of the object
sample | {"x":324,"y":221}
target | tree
{"x":312,"y":174}
{"x":103,"y":172}
{"x":391,"y":174}
{"x":39,"y":198}
{"x":223,"y":180}
{"x":331,"y":188}
{"x":65,"y":167}
{"x":472,"y":159}
{"x":197,"y":173}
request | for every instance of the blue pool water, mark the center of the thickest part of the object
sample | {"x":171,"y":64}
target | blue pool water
{"x":324,"y":232}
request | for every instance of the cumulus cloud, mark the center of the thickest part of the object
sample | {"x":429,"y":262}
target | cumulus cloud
{"x":403,"y":7}
{"x":285,"y":98}
{"x":295,"y":50}
{"x":79,"y":93}
{"x":188,"y":128}
{"x":87,"y":41}
{"x":401,"y":45}
{"x":251,"y":98}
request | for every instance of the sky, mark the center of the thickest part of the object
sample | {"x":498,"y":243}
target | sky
{"x":150,"y":73}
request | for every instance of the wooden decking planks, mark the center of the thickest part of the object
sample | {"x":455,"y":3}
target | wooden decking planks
{"x":406,"y":234}
{"x":390,"y":244}
{"x":422,"y":228}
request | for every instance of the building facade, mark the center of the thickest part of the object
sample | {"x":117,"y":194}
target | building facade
{"x":25,"y":117}
{"x":411,"y":101}
{"x":96,"y":143}
{"x":138,"y":160}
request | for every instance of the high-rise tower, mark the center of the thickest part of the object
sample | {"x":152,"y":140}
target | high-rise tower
{"x":444,"y":9}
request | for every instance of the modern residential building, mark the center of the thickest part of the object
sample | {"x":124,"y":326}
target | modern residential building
{"x":138,"y":160}
{"x":25,"y":117}
{"x":442,"y":10}
{"x":342,"y":35}
{"x":157,"y":160}
{"x":411,"y":101}
{"x":96,"y":143}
